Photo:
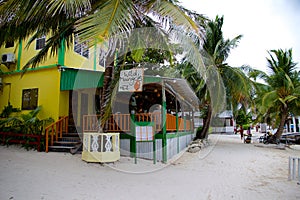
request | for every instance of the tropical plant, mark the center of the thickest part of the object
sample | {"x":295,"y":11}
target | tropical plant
{"x":8,"y":110}
{"x":280,"y":97}
{"x":25,"y":123}
{"x":28,"y":123}
{"x":92,"y":20}
{"x":215,"y":51}
{"x":243,"y":118}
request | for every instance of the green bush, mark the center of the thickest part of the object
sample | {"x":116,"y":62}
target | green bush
{"x":26,"y":124}
{"x":8,"y":110}
{"x":246,"y":126}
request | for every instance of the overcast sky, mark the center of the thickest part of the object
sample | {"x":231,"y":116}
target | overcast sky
{"x":264,"y":24}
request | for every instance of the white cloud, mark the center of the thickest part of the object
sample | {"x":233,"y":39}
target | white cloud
{"x":265,"y":25}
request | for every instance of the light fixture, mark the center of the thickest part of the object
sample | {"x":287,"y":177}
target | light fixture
{"x":60,"y":68}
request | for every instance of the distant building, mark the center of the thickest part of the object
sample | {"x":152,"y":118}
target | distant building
{"x":223,"y":123}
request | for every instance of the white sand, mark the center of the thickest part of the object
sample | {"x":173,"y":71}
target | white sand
{"x":227,"y":169}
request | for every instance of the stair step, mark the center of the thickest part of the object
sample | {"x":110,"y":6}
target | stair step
{"x":69,"y":139}
{"x":57,"y":148}
{"x":70,"y":142}
{"x":66,"y":142}
{"x":60,"y":147}
{"x":72,"y":134}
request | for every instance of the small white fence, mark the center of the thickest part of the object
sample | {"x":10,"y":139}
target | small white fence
{"x":101,"y":147}
{"x":294,"y":169}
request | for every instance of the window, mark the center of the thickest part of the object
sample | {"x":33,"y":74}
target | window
{"x":40,"y":42}
{"x":29,"y":99}
{"x":9,"y":44}
{"x":81,"y":47}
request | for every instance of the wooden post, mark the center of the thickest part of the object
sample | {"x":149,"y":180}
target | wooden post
{"x":47,"y":140}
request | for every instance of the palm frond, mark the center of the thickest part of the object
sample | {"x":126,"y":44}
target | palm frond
{"x":268,"y":100}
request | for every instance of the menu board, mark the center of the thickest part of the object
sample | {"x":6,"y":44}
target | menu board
{"x":131,"y":80}
{"x":144,"y":133}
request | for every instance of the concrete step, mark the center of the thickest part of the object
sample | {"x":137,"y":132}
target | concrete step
{"x":72,"y":134}
{"x":58,"y":148}
{"x":66,"y":143}
{"x":70,"y":142}
{"x":69,"y":139}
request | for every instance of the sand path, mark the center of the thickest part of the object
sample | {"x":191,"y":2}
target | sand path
{"x":227,"y":169}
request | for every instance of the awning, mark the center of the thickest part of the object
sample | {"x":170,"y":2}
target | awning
{"x":72,"y":79}
{"x":182,"y":89}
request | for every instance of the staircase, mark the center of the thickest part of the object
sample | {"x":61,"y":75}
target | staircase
{"x":69,"y":142}
{"x":59,"y":139}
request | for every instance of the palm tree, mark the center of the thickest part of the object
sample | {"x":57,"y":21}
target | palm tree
{"x":92,"y":20}
{"x":95,"y":21}
{"x":215,"y":51}
{"x":281,"y":96}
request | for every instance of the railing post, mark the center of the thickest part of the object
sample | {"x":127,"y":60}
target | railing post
{"x":67,"y":124}
{"x":292,"y":175}
{"x":56,"y":131}
{"x":290,"y":168}
{"x":298,"y":171}
{"x":47,"y":140}
{"x":294,"y":168}
{"x":61,"y":128}
{"x":52,"y":127}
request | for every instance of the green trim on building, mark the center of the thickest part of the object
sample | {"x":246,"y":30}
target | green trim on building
{"x":31,"y":69}
{"x":179,"y":134}
{"x":164,"y":120}
{"x":19,"y":54}
{"x":61,"y":53}
{"x":152,"y":79}
{"x":72,"y":79}
{"x":158,"y":135}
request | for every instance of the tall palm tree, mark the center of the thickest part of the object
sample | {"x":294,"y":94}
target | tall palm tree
{"x":93,"y":20}
{"x":217,"y":50}
{"x":281,"y":96}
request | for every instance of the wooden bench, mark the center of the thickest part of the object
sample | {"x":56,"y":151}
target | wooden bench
{"x":21,"y":138}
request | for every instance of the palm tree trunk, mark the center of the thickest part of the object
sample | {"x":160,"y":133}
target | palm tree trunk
{"x":108,"y":73}
{"x":204,"y":132}
{"x":284,"y":116}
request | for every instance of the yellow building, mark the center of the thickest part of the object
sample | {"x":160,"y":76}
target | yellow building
{"x":70,"y":83}
{"x":59,"y":84}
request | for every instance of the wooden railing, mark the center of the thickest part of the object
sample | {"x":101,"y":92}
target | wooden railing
{"x":56,"y":130}
{"x":21,"y":138}
{"x":121,"y":122}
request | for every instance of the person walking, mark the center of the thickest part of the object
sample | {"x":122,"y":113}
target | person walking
{"x":241,"y":131}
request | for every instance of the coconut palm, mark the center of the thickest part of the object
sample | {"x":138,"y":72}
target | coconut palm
{"x":215,"y":51}
{"x":281,"y":96}
{"x":93,"y":20}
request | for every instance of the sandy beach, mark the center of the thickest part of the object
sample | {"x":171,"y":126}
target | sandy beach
{"x":226,"y":169}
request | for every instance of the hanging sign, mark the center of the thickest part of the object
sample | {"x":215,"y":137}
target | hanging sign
{"x":131,"y":80}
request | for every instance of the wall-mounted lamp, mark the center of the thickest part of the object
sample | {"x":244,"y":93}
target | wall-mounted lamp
{"x":60,"y":68}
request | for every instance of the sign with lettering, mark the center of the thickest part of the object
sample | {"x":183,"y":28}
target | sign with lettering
{"x":131,"y":80}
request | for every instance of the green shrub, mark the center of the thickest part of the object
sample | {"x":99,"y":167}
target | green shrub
{"x":27,"y":124}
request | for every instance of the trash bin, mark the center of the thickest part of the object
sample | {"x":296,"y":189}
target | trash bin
{"x":101,"y":147}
